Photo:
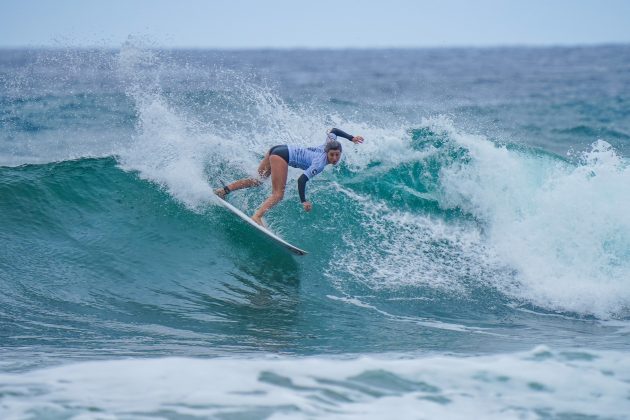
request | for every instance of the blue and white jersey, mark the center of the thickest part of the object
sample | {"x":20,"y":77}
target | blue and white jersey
{"x":312,"y":159}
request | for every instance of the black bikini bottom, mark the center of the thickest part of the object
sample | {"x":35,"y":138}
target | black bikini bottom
{"x":281,"y":150}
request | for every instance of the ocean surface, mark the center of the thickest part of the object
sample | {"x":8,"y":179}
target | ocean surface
{"x":470,"y":260}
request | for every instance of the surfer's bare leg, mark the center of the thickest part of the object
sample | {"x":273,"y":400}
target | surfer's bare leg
{"x":264,"y":170}
{"x":279,"y":170}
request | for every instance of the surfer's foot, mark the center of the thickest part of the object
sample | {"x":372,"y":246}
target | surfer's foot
{"x":259,"y":220}
{"x":222,"y":192}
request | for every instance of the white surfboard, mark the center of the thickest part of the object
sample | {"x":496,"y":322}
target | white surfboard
{"x":291,"y":248}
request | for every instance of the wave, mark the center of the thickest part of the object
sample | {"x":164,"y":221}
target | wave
{"x":420,"y":210}
{"x":453,"y":216}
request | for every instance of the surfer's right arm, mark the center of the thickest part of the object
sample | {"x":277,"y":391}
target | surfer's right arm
{"x":317,"y":166}
{"x":302,"y":191}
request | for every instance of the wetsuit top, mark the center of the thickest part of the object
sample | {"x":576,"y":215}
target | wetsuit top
{"x":312,"y":159}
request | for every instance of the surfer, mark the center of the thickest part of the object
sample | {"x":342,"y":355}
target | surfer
{"x":276,"y":164}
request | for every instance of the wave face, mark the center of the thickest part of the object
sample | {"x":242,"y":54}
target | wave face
{"x":485,"y":214}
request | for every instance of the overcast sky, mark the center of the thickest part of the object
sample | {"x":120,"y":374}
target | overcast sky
{"x":314,"y":23}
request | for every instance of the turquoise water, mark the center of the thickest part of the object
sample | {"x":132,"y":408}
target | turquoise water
{"x":470,"y":259}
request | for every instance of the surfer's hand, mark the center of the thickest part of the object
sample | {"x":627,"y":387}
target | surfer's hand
{"x":307,"y":206}
{"x":357,"y":139}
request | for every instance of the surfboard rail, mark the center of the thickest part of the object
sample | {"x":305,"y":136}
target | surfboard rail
{"x":275,"y":238}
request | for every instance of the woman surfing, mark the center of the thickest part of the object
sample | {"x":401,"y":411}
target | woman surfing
{"x":276,"y":164}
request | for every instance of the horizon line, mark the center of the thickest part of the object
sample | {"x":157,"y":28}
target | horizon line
{"x":318,"y":48}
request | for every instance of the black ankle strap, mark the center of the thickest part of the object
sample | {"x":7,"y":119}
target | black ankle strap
{"x":226,"y":189}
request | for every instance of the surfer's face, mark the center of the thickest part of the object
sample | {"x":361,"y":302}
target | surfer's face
{"x":334,"y":156}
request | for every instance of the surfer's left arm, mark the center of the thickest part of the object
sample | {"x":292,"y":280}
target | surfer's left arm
{"x":341,"y":133}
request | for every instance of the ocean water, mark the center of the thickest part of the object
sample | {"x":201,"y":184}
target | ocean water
{"x":470,"y":260}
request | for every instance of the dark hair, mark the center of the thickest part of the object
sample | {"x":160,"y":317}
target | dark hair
{"x":332,"y":145}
